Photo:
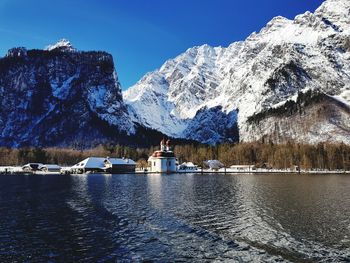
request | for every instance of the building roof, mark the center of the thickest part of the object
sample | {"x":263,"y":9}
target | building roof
{"x":91,"y":162}
{"x":188,"y":164}
{"x":37,"y":165}
{"x":51,"y":166}
{"x":166,"y":154}
{"x":99,"y":162}
{"x":117,"y":161}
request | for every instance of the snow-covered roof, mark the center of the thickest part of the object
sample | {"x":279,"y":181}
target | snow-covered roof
{"x":116,"y":161}
{"x":51,"y":166}
{"x":99,"y":162}
{"x":188,"y":164}
{"x":91,"y":162}
{"x":33,"y":164}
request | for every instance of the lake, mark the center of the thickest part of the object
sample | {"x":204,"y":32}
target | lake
{"x":180,"y":217}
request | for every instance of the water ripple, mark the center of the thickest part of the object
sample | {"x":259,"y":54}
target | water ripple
{"x":186,"y":218}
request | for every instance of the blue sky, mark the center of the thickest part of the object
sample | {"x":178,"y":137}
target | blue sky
{"x":140,"y":34}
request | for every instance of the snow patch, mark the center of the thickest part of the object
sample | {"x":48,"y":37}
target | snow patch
{"x":62,"y":91}
{"x":97,"y":97}
{"x":62,"y":44}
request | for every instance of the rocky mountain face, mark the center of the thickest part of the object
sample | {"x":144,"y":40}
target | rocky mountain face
{"x":61,"y":97}
{"x":314,"y":117}
{"x":251,"y":89}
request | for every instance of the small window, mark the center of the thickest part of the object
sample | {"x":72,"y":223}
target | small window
{"x":154,"y":163}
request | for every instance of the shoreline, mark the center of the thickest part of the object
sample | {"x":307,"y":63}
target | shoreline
{"x":15,"y":170}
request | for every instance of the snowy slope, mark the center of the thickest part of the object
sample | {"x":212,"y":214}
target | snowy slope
{"x":284,"y":59}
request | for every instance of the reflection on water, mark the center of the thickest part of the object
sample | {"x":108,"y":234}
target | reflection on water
{"x":186,"y":217}
{"x":154,"y":184}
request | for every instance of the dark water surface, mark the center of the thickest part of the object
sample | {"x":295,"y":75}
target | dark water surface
{"x":192,"y":218}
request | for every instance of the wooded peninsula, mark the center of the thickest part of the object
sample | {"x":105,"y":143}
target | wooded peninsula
{"x":326,"y":156}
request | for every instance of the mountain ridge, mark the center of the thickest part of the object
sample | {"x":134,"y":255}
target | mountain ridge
{"x":289,"y":81}
{"x":266,"y":70}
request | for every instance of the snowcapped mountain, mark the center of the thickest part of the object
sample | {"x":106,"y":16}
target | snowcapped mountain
{"x":242,"y":86}
{"x":61,"y":97}
{"x":291,"y":80}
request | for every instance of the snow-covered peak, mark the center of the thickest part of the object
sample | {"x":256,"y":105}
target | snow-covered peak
{"x":334,"y":7}
{"x":276,"y":23}
{"x":63,"y":45}
{"x":335,"y":13}
{"x":270,"y":67}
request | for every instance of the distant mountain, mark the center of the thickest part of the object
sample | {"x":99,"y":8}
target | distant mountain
{"x":61,"y":97}
{"x":289,"y":81}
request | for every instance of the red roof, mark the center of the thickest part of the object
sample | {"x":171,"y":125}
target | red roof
{"x":163,"y":154}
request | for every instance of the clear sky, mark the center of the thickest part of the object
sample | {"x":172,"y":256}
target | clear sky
{"x":140,"y":34}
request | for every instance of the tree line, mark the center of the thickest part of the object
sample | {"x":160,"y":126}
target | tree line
{"x":327,"y":156}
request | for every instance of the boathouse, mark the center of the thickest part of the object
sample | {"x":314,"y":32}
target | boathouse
{"x":104,"y":165}
{"x":117,"y":165}
{"x":163,"y":161}
{"x":91,"y":164}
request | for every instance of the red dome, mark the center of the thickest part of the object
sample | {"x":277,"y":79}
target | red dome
{"x":163,"y":154}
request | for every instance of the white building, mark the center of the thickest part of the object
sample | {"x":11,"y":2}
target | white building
{"x":163,"y":161}
{"x":119,"y":165}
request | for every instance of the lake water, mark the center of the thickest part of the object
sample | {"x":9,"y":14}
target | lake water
{"x":182,"y":217}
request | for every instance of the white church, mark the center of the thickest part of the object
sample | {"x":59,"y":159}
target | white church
{"x":163,"y":161}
